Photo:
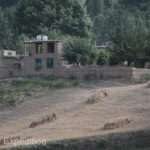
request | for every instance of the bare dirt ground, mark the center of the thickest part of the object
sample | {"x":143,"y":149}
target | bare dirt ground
{"x":76,"y":118}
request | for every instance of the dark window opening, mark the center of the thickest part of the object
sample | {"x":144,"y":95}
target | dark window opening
{"x":50,"y":63}
{"x":39,"y":48}
{"x":38,"y":61}
{"x":19,"y":66}
{"x":9,"y":53}
{"x":51,"y":48}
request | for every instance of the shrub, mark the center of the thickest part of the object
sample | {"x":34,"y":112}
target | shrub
{"x":145,"y":78}
{"x":76,"y":83}
{"x":102,"y":58}
{"x":72,"y":77}
{"x":2,"y":91}
{"x":19,"y":82}
{"x":93,"y":56}
{"x":38,"y":67}
{"x":90,"y":76}
{"x":114,"y":59}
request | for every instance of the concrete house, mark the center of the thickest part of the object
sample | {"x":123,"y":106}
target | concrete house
{"x":44,"y":55}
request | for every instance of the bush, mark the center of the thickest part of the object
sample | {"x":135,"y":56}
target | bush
{"x":144,"y":78}
{"x":1,"y":98}
{"x":140,"y":62}
{"x":38,"y":67}
{"x":2,"y":91}
{"x":93,"y":56}
{"x":90,"y":76}
{"x":102,"y":58}
{"x":114,"y":59}
{"x":76,"y":83}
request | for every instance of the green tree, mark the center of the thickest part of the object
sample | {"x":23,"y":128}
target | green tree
{"x":130,"y":39}
{"x":3,"y":30}
{"x":115,"y":58}
{"x":76,"y":51}
{"x":95,"y":7}
{"x":68,"y":16}
{"x":9,"y":39}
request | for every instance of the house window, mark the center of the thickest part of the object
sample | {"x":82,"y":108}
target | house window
{"x":9,"y":53}
{"x":50,"y":63}
{"x":38,"y":64}
{"x":39,"y":48}
{"x":19,"y":66}
{"x":51,"y":48}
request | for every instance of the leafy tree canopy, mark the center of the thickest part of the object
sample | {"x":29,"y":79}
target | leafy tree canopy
{"x":77,"y":51}
{"x":68,"y":16}
{"x":8,"y":3}
{"x":131,"y":40}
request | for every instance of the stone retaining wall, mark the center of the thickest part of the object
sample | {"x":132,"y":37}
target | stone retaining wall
{"x":137,"y":73}
{"x":4,"y":72}
{"x":95,"y":72}
{"x":89,"y":72}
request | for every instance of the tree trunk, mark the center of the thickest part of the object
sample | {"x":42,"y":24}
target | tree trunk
{"x":129,"y":63}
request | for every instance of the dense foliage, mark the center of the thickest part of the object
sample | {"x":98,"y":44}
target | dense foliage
{"x":103,"y":58}
{"x":125,"y":22}
{"x":131,"y":40}
{"x":70,"y":17}
{"x":76,"y":51}
{"x":107,"y":14}
{"x":8,"y":3}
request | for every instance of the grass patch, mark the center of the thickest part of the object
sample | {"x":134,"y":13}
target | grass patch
{"x":25,"y":87}
{"x":90,"y":76}
{"x":2,"y":91}
{"x":145,"y":78}
{"x":119,"y":141}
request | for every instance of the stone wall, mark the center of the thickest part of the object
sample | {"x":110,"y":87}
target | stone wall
{"x":4,"y":72}
{"x":89,"y":72}
{"x":147,"y":65}
{"x":138,"y":72}
{"x":94,"y":72}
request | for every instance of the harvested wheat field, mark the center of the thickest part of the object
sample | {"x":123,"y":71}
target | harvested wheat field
{"x":67,"y":113}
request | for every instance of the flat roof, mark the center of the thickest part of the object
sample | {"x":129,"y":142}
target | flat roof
{"x":9,"y":50}
{"x":3,"y":66}
{"x":30,"y":42}
{"x":14,"y":57}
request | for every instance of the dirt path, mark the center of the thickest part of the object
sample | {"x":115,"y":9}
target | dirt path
{"x":75,"y":117}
